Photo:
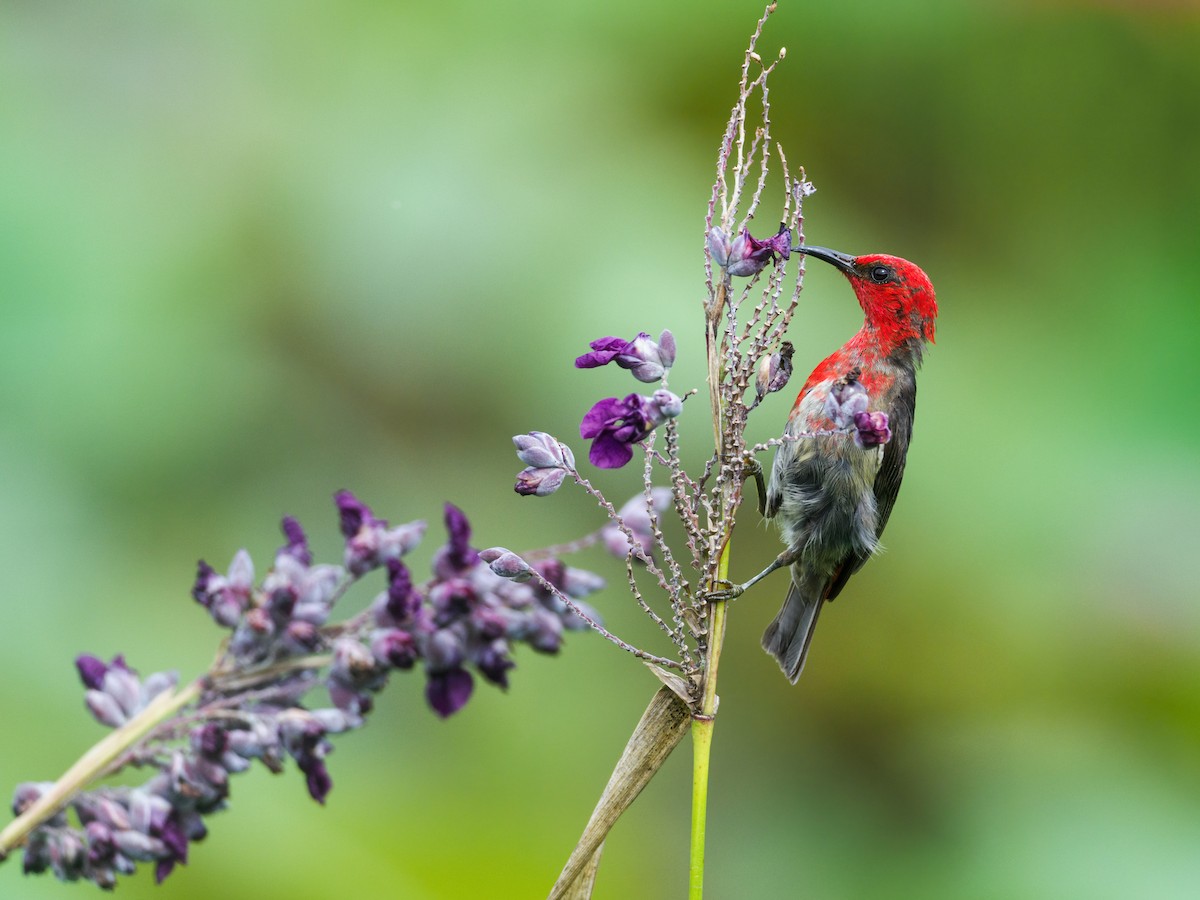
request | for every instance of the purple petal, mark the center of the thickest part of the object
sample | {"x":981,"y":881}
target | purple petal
{"x":354,"y":513}
{"x":604,"y":351}
{"x":448,"y":692}
{"x":91,"y":671}
{"x":317,"y":778}
{"x":607,"y":452}
{"x":297,"y":542}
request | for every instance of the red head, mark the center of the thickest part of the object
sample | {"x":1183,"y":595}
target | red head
{"x":895,"y":295}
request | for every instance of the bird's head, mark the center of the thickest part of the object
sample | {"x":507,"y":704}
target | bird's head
{"x":895,"y":295}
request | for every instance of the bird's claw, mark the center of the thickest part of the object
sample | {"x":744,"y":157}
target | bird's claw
{"x":731,"y":591}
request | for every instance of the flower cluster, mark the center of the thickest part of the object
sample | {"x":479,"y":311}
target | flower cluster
{"x":250,"y":705}
{"x":615,"y":424}
{"x":846,"y":406}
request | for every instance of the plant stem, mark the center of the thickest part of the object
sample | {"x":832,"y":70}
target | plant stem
{"x":702,"y":734}
{"x":95,"y":762}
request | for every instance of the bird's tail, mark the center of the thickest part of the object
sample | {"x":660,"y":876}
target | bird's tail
{"x":787,"y":638}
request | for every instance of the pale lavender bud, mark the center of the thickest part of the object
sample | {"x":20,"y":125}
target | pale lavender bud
{"x":139,"y":846}
{"x":533,"y":482}
{"x":666,"y":349}
{"x":664,"y":405}
{"x":774,"y":371}
{"x":105,"y":708}
{"x":542,"y":451}
{"x":506,"y":564}
{"x":719,"y":245}
{"x":122,"y":684}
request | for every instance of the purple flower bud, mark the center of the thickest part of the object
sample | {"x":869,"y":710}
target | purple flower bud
{"x":105,"y":709}
{"x":544,"y":631}
{"x":210,"y":740}
{"x":355,"y":515}
{"x":493,"y":661}
{"x":456,"y":556}
{"x":100,"y":845}
{"x":394,"y":647}
{"x":872,"y":429}
{"x":91,"y":670}
{"x":369,"y":542}
{"x":448,"y":692}
{"x":664,"y":405}
{"x":297,"y":544}
{"x":542,"y":451}
{"x":139,"y":846}
{"x":444,"y":649}
{"x":719,"y":245}
{"x":316,"y":778}
{"x":774,"y":371}
{"x":225,"y":597}
{"x":506,"y":564}
{"x":533,"y":482}
{"x":401,"y":601}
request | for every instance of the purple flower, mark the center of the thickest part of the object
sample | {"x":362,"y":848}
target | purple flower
{"x":402,"y":601}
{"x":225,"y":597}
{"x":449,"y":691}
{"x":746,"y":255}
{"x":646,"y":359}
{"x":456,"y":555}
{"x":369,"y":541}
{"x":614,"y":425}
{"x":872,"y":429}
{"x":394,"y":647}
{"x":297,"y":543}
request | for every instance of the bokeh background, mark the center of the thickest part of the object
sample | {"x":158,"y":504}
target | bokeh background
{"x":254,"y":253}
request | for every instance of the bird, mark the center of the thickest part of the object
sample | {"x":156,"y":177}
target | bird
{"x":835,"y":477}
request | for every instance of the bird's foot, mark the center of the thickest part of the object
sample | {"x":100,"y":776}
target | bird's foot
{"x":731,"y":591}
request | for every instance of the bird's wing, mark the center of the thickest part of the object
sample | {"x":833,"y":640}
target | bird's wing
{"x":887,"y":481}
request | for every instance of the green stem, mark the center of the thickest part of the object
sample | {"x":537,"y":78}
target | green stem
{"x":702,"y":735}
{"x":94,"y":764}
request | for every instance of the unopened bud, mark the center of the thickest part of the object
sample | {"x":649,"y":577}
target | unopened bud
{"x":506,"y":564}
{"x":774,"y":371}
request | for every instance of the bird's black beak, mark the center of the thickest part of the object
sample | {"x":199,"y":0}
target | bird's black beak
{"x":843,"y":261}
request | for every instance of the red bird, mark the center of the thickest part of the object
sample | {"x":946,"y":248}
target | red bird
{"x":831,"y":495}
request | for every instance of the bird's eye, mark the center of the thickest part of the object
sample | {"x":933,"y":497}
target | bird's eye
{"x":881,"y":274}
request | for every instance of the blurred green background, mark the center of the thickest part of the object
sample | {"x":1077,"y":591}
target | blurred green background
{"x":254,"y":253}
